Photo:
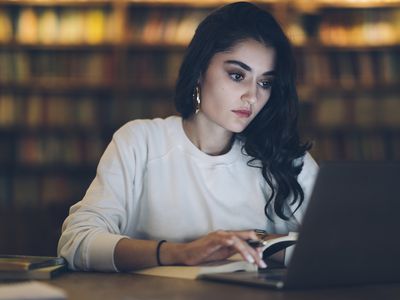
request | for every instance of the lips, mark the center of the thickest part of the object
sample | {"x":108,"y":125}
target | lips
{"x":242,"y":113}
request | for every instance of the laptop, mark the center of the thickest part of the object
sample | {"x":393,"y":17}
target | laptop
{"x":350,"y":233}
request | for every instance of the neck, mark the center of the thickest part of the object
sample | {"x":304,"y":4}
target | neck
{"x":206,"y":136}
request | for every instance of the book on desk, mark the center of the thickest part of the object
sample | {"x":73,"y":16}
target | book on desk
{"x":24,"y":267}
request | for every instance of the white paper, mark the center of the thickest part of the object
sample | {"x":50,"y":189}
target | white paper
{"x":30,"y":290}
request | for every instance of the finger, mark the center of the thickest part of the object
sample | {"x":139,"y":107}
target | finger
{"x":248,"y":253}
{"x":222,"y":244}
{"x":258,"y":257}
{"x":235,"y":240}
{"x":219,"y":241}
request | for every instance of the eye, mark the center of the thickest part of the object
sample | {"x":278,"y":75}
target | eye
{"x":265,"y":84}
{"x":236,"y":76}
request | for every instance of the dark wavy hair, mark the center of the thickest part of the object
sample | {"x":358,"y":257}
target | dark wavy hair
{"x":272,"y":137}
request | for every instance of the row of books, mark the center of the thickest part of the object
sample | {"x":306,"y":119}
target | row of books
{"x":59,"y":150}
{"x":55,"y":67}
{"x":158,"y":108}
{"x":364,"y":111}
{"x":349,"y":69}
{"x":27,"y":191}
{"x":74,"y":112}
{"x":176,"y":26}
{"x":356,"y":146}
{"x":141,"y":69}
{"x":160,"y":69}
{"x":97,"y":25}
{"x":163,"y":25}
{"x":153,"y":69}
{"x":37,"y":110}
{"x":49,"y":25}
{"x":364,"y":27}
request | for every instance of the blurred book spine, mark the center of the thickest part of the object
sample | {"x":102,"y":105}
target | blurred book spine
{"x":350,"y":70}
{"x":168,"y":26}
{"x":65,"y":69}
{"x":362,"y":111}
{"x":356,"y":146}
{"x":362,"y":27}
{"x":58,"y":151}
{"x":6,"y":26}
{"x":41,"y":111}
{"x":42,"y":190}
{"x":55,"y":25}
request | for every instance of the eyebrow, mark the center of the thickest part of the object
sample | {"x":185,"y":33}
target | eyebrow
{"x":246,"y":67}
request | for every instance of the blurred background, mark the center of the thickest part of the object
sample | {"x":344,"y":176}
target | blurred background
{"x":73,"y":71}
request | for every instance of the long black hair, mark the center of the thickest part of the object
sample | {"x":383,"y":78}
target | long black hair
{"x":272,"y":137}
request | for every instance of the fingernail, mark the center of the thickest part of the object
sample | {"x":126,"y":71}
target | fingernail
{"x":249,"y":258}
{"x":263,"y":264}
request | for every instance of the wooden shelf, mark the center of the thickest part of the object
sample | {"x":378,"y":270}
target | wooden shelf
{"x":59,"y":85}
{"x":298,"y":3}
{"x":58,"y":47}
{"x":172,"y":47}
{"x":198,"y":3}
{"x":211,"y":3}
{"x":143,"y":47}
{"x":317,"y":47}
{"x":55,"y":169}
{"x":317,"y":5}
{"x":348,"y":130}
{"x":58,"y":130}
{"x":356,"y":88}
{"x":340,"y":4}
{"x":53,"y":3}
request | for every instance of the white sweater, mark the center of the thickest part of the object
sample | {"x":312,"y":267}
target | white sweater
{"x":153,"y":183}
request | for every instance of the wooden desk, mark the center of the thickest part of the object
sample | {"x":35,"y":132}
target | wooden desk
{"x":98,"y":286}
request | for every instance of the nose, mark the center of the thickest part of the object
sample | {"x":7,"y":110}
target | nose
{"x":250,"y":94}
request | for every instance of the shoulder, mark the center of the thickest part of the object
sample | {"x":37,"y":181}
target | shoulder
{"x":145,"y":128}
{"x":148,"y":135}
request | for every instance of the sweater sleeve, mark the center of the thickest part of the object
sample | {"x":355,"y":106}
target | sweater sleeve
{"x":94,"y":225}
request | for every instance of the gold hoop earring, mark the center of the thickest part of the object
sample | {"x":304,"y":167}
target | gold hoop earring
{"x":196,"y":96}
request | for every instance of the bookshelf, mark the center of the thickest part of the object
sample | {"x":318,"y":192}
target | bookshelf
{"x":58,"y":108}
{"x":349,"y":61}
{"x":73,"y":71}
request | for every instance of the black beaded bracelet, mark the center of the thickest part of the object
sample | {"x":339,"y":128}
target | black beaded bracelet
{"x":158,"y":251}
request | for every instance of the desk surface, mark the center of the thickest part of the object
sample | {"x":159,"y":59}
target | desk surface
{"x":140,"y":287}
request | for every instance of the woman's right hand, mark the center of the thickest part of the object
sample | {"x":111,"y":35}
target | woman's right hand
{"x":133,"y":254}
{"x":219,"y":245}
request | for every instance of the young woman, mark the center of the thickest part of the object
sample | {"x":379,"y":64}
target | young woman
{"x":192,"y":189}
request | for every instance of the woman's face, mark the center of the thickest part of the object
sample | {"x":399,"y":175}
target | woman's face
{"x":237,"y":85}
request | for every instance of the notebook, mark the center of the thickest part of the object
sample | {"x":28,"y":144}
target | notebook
{"x":349,"y":234}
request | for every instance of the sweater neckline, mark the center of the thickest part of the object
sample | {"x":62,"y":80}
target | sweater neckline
{"x":232,"y":155}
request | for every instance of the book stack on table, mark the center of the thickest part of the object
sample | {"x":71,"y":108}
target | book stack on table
{"x":21,"y":267}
